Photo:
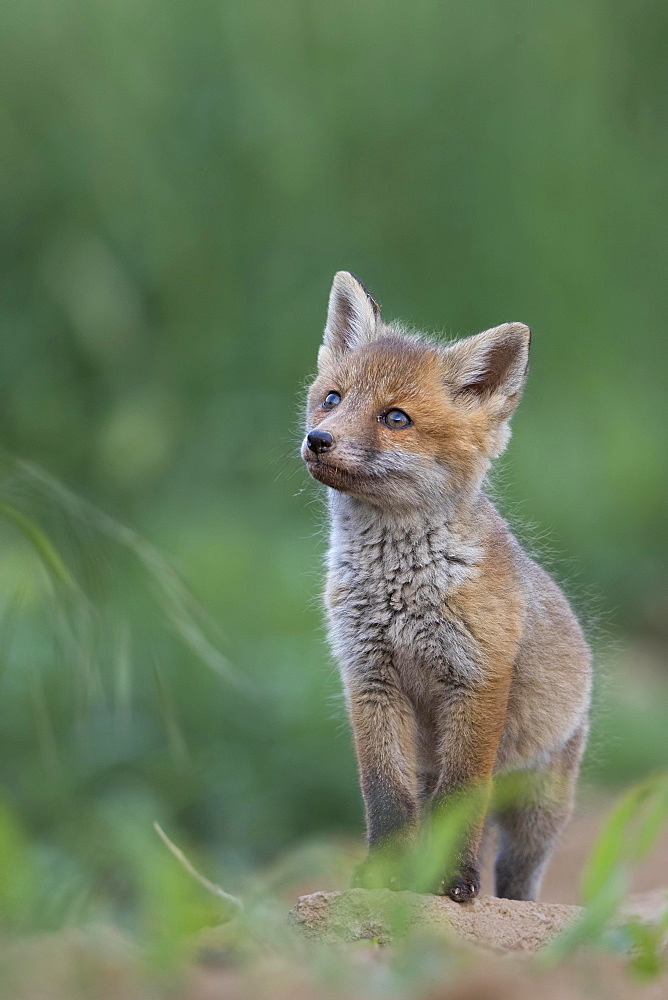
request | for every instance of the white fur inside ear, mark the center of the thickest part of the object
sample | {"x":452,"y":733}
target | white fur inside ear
{"x":352,"y":315}
{"x":491,"y":365}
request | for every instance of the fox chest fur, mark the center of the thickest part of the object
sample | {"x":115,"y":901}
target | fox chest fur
{"x":387,"y":600}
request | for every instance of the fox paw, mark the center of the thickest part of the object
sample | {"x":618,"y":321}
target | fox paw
{"x":462,"y":887}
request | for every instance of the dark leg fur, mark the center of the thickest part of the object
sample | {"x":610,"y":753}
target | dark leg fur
{"x":385,"y":741}
{"x":529,"y":830}
{"x":527,"y":839}
{"x":391,"y":809}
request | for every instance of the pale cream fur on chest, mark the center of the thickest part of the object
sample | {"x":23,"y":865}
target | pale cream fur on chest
{"x":388,"y":586}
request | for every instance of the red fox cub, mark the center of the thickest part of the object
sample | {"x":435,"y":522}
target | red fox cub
{"x":460,"y":656}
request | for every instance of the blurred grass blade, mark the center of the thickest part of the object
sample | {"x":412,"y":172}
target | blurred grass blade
{"x":647,"y":945}
{"x":176,"y":739}
{"x":40,"y":543}
{"x":179,"y":607}
{"x":232,"y":903}
{"x":590,"y":926}
{"x":46,"y":737}
{"x":441,"y":844}
{"x":629,"y":833}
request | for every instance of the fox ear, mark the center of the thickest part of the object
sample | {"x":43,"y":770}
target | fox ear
{"x":352,"y":315}
{"x":490,"y":367}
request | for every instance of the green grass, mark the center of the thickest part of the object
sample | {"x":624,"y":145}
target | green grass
{"x":123,"y":707}
{"x":174,"y":915}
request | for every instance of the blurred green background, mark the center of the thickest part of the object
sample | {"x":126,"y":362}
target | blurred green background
{"x":180,"y":182}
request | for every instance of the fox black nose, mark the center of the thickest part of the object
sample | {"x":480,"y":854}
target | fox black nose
{"x":319,"y":441}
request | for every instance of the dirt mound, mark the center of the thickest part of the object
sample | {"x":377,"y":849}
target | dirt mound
{"x":496,"y":924}
{"x":501,"y":925}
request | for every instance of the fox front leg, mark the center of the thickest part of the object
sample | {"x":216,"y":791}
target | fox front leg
{"x":470,"y":728}
{"x":385,"y":736}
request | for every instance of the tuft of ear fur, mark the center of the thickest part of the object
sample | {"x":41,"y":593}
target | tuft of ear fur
{"x":490,"y":367}
{"x":353,"y":316}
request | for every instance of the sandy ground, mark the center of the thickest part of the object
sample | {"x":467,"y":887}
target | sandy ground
{"x":498,"y":925}
{"x":101,"y":963}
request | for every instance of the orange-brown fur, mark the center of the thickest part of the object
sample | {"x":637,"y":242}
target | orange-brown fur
{"x":460,"y":656}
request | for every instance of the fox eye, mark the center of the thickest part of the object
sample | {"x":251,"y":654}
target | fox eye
{"x":332,"y":399}
{"x":396,"y":419}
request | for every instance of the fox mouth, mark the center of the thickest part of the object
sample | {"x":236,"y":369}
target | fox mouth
{"x":325,"y":471}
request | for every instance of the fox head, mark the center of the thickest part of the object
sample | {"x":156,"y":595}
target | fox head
{"x":398,"y":421}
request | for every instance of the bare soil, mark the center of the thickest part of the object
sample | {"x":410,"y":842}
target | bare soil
{"x":497,"y":925}
{"x":100,"y":962}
